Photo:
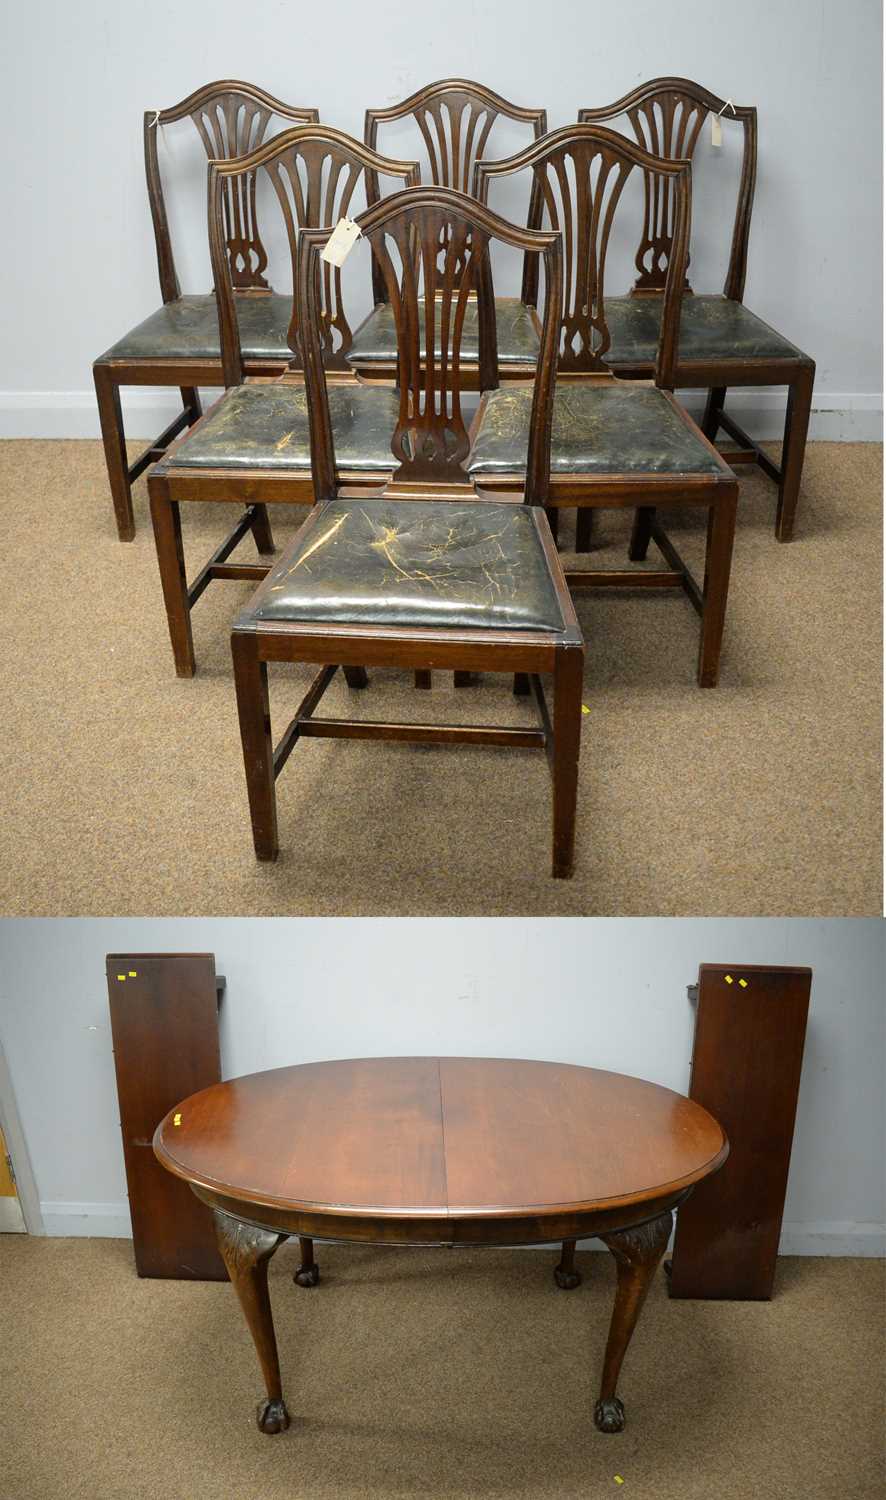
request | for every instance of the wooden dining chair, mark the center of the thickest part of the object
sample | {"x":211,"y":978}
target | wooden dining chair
{"x":614,"y":442}
{"x":253,"y":444}
{"x":178,"y":344}
{"x":722,"y":343}
{"x":454,"y":119}
{"x":425,"y":573}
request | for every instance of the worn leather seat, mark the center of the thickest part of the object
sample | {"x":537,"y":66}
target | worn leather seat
{"x":711,"y":327}
{"x":375,"y":341}
{"x":413,"y":562}
{"x":596,"y":429}
{"x":265,"y":426}
{"x":188,"y":329}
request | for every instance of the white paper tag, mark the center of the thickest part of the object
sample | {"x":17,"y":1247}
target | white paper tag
{"x":341,"y":242}
{"x":716,"y":131}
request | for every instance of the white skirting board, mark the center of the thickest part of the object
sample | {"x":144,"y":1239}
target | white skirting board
{"x":837,"y":416}
{"x":825,"y":1237}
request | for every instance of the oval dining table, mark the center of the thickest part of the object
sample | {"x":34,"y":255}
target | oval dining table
{"x":445,"y":1151}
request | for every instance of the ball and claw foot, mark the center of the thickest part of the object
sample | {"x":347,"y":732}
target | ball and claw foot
{"x":609,"y":1415}
{"x":307,"y":1276}
{"x":272,"y":1416}
{"x":567,"y":1281}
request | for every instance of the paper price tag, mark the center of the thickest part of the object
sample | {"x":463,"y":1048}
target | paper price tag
{"x":716,"y":131}
{"x":341,"y":242}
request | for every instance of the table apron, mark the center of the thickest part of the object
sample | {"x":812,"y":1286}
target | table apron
{"x":450,"y":1230}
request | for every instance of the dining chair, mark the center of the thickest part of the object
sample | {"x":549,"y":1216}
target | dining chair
{"x":454,"y":119}
{"x":614,"y":442}
{"x":253,"y":446}
{"x":722,"y":343}
{"x":178,"y":344}
{"x":425,"y":573}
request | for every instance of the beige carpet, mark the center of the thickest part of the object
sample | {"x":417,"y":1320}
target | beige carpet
{"x":124,"y":787}
{"x":444,"y":1374}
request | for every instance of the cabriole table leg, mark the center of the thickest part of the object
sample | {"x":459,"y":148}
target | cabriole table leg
{"x":637,"y":1253}
{"x":246,"y":1251}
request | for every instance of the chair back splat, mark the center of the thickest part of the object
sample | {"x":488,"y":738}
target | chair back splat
{"x":432,"y":246}
{"x":455,"y":118}
{"x":314,"y":171}
{"x":232,"y":119}
{"x":667,"y":116}
{"x":580,"y":172}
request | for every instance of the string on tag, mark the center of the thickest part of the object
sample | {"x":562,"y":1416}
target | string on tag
{"x":157,"y":124}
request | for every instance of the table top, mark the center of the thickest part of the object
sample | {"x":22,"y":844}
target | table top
{"x":444,"y":1141}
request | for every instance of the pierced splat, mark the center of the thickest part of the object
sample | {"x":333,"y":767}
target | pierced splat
{"x":230,"y":125}
{"x":455,"y":118}
{"x":580,"y":189}
{"x":438,"y":264}
{"x":232,"y":119}
{"x":580,"y":172}
{"x":315,"y":182}
{"x":667,"y":116}
{"x":668,"y":124}
{"x":314,"y":171}
{"x":431,"y":246}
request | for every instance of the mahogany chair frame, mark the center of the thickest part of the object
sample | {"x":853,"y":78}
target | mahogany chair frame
{"x":188,"y":374}
{"x":438,"y":111}
{"x":171,"y":483}
{"x":431,"y":443}
{"x":582,"y":346}
{"x":680,"y":130}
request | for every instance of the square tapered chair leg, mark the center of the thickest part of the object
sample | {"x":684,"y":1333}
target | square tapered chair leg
{"x":253,"y":709}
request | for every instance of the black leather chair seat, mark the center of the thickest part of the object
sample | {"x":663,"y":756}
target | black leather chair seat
{"x":413,"y":562}
{"x":265,"y":426}
{"x":375,"y":341}
{"x":188,"y":329}
{"x":597,"y":429}
{"x":711,"y":327}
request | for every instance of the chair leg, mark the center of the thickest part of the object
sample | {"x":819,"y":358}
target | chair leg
{"x":522,"y":685}
{"x":584,"y":528}
{"x":308,"y":1273}
{"x":568,"y":677}
{"x":246,"y":1251}
{"x":793,"y":451}
{"x":423,"y":679}
{"x":641,"y":534}
{"x":191,"y":402}
{"x":253,"y":708}
{"x":553,"y":515}
{"x":565,"y":1274}
{"x":714,"y":404}
{"x":261,"y":530}
{"x":166,"y":521}
{"x":107,"y":394}
{"x":637,"y":1253}
{"x":356,"y":677}
{"x":718,"y":561}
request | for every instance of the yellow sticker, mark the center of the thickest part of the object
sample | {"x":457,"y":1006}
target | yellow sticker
{"x":585,"y":709}
{"x":121,"y":976}
{"x":176,"y":1119}
{"x":729,"y":979}
{"x":743,"y":983}
{"x":132,"y":974}
{"x":618,"y":1479}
